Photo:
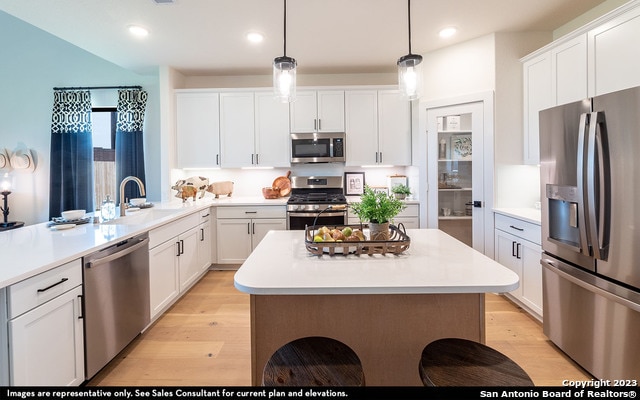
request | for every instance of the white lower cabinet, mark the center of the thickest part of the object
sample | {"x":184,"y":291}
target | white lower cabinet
{"x":409,"y":217}
{"x":240,"y":229}
{"x":175,"y":262}
{"x":517,"y":247}
{"x":46,"y":339}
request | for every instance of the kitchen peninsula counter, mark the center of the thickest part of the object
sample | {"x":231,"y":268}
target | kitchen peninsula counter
{"x":385,"y":307}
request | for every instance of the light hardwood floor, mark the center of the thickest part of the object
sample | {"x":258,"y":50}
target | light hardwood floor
{"x":204,"y":340}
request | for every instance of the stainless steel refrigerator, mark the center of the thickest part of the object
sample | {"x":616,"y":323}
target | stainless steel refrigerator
{"x":590,"y":191}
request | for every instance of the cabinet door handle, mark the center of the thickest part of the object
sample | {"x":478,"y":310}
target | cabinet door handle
{"x":513,"y":249}
{"x":217,"y":159}
{"x":80,"y":306}
{"x":252,"y":158}
{"x":250,"y":212}
{"x":376,"y":157}
{"x":248,"y":228}
{"x":178,"y":247}
{"x":181,"y":246}
{"x":380,"y":157}
{"x":202,"y":234}
{"x":63,"y":280}
{"x":257,"y":159}
{"x":518,"y":251}
{"x":253,"y":228}
{"x":315,"y":124}
{"x":516,"y":228}
{"x":319,"y":124}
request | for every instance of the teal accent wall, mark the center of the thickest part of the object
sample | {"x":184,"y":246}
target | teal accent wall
{"x":32,"y":62}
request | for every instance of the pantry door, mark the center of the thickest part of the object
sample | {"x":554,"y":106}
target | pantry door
{"x":459,"y":173}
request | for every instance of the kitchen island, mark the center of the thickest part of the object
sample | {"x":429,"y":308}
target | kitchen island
{"x":387,"y":308}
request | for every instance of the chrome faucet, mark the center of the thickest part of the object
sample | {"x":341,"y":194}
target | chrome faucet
{"x":123,"y":204}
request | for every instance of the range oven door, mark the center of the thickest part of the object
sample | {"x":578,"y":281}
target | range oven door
{"x":300,"y":220}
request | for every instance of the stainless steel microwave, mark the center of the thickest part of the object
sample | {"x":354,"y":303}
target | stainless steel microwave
{"x":317,"y":147}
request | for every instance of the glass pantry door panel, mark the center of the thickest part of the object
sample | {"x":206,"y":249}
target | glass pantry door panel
{"x":455,"y":169}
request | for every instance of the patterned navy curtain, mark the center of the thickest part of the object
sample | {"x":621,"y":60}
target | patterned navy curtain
{"x":129,"y":143}
{"x":71,"y":180}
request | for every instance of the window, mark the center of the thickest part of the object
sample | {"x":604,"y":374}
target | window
{"x":103,"y":122}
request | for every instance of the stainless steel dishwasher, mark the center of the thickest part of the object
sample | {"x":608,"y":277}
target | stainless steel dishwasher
{"x":116,"y":299}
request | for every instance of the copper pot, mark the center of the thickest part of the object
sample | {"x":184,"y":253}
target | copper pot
{"x":271,"y":192}
{"x":283,"y":183}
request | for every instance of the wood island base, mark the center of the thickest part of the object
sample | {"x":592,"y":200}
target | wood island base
{"x":387,"y":331}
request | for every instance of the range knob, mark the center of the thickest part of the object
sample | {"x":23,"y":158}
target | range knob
{"x":316,"y":207}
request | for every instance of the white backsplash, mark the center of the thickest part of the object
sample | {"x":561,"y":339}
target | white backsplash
{"x":517,"y":186}
{"x":249,"y":182}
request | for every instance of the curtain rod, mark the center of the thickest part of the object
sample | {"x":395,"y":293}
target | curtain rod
{"x":96,"y":87}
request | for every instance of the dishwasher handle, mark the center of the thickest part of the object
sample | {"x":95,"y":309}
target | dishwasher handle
{"x":98,"y":261}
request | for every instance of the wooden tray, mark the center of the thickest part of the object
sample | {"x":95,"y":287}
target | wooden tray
{"x":398,"y":242}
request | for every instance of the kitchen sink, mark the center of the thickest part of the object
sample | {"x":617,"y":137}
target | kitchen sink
{"x":143,"y":216}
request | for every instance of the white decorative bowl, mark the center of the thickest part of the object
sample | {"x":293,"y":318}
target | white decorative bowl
{"x":72,"y":215}
{"x":138,"y":201}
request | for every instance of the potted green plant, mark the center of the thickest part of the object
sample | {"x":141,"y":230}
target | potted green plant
{"x":377,"y":208}
{"x":401,"y":191}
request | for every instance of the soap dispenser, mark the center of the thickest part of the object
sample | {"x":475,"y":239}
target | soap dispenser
{"x":108,"y":209}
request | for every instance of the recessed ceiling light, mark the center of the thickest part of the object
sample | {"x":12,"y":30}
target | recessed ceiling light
{"x":448,"y":32}
{"x":138,"y":30}
{"x":255,"y":37}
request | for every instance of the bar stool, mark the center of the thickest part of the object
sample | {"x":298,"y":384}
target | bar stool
{"x":313,"y":361}
{"x":461,"y":362}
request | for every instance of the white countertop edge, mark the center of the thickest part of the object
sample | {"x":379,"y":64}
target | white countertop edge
{"x":526,"y":214}
{"x":375,"y":290}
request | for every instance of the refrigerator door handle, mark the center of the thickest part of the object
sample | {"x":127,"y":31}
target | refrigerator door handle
{"x":597,"y":185}
{"x":582,"y":220}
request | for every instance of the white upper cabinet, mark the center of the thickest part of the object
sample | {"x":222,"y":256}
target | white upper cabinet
{"x":272,"y":143}
{"x":254,"y":130}
{"x":378,"y":128}
{"x":197,"y":130}
{"x":361,"y":109}
{"x":596,"y":59}
{"x":614,"y":59}
{"x":237,"y":130}
{"x":537,"y":96}
{"x":569,"y":71}
{"x":394,"y":128}
{"x":318,"y":111}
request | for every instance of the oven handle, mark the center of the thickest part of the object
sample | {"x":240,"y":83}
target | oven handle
{"x":315,"y":214}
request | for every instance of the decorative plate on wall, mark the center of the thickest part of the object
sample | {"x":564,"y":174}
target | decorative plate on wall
{"x":461,"y":147}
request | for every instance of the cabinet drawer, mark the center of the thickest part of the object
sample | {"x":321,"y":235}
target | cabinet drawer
{"x":30,"y":293}
{"x":172,"y":229}
{"x":410,"y":210}
{"x":523,"y":229}
{"x":252,"y":212}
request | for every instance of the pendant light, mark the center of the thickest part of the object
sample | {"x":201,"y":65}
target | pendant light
{"x":284,"y":71}
{"x":410,"y":69}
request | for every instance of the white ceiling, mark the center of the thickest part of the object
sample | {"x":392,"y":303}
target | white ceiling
{"x":206,"y":37}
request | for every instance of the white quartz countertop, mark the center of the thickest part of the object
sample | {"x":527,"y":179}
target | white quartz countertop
{"x":532,"y":215}
{"x":434,"y":263}
{"x":34,"y":249}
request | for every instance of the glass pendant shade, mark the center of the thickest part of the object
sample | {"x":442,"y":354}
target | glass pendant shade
{"x":284,"y":79}
{"x":410,"y":76}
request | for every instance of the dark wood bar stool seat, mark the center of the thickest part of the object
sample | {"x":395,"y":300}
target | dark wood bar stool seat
{"x":461,"y":362}
{"x":313,"y":361}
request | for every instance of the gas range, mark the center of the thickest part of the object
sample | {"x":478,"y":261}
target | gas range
{"x":316,"y":193}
